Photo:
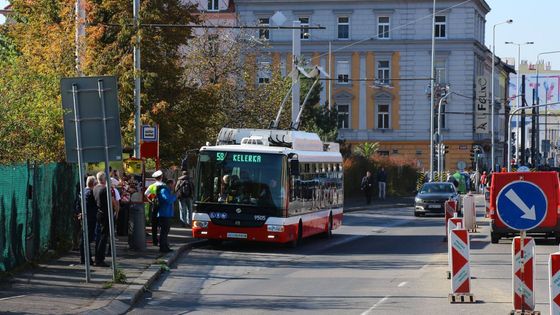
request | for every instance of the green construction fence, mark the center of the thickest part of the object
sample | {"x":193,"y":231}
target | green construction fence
{"x":36,"y":211}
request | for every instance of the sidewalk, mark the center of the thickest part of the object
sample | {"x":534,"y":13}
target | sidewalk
{"x":359,"y":203}
{"x":58,"y":286}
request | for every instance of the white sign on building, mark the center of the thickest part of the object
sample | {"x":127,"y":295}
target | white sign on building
{"x":482,"y":106}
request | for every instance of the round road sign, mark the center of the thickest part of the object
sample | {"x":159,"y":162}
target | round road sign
{"x":521,"y":205}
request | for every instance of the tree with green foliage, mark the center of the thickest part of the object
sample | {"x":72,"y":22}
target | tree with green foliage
{"x":366,"y":149}
{"x":37,"y":50}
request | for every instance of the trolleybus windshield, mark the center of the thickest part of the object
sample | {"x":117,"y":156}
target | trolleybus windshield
{"x":244,"y":178}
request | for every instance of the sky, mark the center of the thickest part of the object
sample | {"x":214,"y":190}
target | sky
{"x":533,"y":21}
{"x":526,"y":26}
{"x":3,"y":4}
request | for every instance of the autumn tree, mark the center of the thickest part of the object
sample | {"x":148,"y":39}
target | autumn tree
{"x":37,"y":50}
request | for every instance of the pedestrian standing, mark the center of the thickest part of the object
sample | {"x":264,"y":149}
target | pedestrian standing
{"x":100,"y":196}
{"x":366,"y":186}
{"x":483,"y":179}
{"x":91,"y":214}
{"x":184,"y":191}
{"x":165,"y":214}
{"x":151,"y":193}
{"x":382,"y":182}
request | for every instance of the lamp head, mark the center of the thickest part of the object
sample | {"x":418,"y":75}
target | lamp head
{"x":509,"y":21}
{"x":529,"y":43}
{"x":507,"y":43}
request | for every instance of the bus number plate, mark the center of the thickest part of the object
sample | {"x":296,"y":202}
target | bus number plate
{"x":237,"y":235}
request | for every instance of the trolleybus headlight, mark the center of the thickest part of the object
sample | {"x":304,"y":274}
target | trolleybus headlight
{"x":200,"y":224}
{"x":275,"y":228}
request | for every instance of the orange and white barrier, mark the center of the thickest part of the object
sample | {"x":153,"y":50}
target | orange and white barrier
{"x":453,"y":223}
{"x":469,"y":212}
{"x":523,"y":294}
{"x":554,"y":282}
{"x":450,"y":207}
{"x":460,"y":271}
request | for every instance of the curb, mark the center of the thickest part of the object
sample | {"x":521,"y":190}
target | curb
{"x":377,"y":207}
{"x":132,"y":293}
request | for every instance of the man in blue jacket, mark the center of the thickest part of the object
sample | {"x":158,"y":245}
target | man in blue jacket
{"x":165,"y":213}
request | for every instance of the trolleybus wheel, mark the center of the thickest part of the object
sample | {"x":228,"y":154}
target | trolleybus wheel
{"x":297,"y":240}
{"x":328,"y":232}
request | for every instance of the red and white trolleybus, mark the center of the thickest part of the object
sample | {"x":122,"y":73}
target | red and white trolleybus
{"x":267,"y":185}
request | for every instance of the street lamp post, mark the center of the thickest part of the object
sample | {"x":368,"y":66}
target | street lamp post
{"x":439,"y":140}
{"x":517,"y":88}
{"x":546,"y":100}
{"x":492,"y":97}
{"x":432,"y":92}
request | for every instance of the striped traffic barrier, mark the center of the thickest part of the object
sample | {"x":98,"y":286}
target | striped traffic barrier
{"x":469,"y":213}
{"x":460,"y":271}
{"x":554,"y":282}
{"x":523,"y":275}
{"x":453,"y":223}
{"x":450,"y":210}
{"x":420,"y":180}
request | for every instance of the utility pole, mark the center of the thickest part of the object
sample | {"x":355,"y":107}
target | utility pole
{"x":331,"y":75}
{"x":137,"y":127}
{"x":80,"y":34}
{"x":296,"y":52}
{"x":523,"y":157}
{"x":432,"y":92}
{"x":534,"y":147}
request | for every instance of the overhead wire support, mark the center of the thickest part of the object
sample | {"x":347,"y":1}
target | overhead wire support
{"x":318,"y":27}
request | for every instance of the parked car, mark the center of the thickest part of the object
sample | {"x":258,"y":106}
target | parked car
{"x":432,"y":197}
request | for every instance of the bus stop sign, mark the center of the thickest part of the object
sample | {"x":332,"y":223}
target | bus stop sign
{"x":521,"y":205}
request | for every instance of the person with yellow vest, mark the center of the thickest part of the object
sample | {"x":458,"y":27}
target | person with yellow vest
{"x":151,"y":193}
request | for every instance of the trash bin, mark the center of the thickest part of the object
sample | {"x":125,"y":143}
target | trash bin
{"x":137,"y":227}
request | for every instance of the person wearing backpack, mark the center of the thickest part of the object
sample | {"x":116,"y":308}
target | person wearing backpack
{"x":184,"y":190}
{"x":151,"y":193}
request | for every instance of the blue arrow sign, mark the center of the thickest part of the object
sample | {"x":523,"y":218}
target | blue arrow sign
{"x":521,"y":205}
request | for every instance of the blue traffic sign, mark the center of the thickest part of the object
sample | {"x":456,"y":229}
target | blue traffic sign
{"x":521,"y":205}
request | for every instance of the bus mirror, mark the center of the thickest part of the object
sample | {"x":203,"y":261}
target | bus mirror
{"x":294,"y":167}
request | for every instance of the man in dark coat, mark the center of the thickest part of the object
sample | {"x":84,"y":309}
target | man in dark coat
{"x":366,"y":186}
{"x":100,"y":195}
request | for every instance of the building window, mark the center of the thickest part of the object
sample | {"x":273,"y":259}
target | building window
{"x":343,"y":27}
{"x":342,"y":71}
{"x":213,"y":5}
{"x":440,"y":30}
{"x":264,"y":73}
{"x":343,"y":116}
{"x":304,"y":28}
{"x":383,"y":72}
{"x":264,"y":33}
{"x":383,"y":25}
{"x":383,"y":116}
{"x":440,"y":72}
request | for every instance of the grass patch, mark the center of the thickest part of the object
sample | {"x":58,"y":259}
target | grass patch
{"x":120,"y":276}
{"x":108,"y":285}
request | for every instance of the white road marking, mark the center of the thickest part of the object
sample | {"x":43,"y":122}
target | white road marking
{"x":376,"y":305}
{"x":402,"y":284}
{"x":11,"y":297}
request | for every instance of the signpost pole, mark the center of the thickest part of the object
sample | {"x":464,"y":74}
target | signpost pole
{"x":108,"y":180}
{"x":522,"y":235}
{"x":85,"y":236}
